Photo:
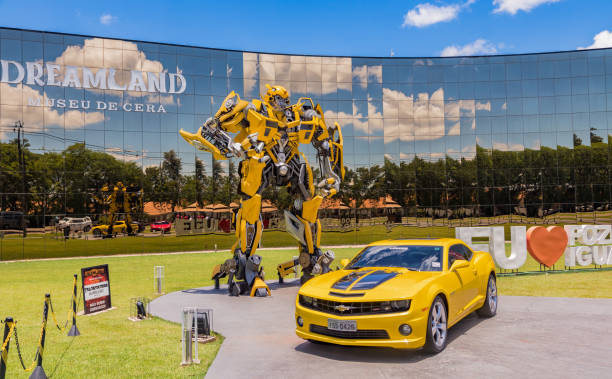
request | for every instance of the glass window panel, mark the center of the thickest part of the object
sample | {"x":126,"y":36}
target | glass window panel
{"x":563,"y":87}
{"x":580,"y":103}
{"x":514,"y":89}
{"x":597,"y":102}
{"x":579,"y":67}
{"x":580,"y":86}
{"x":580,"y":121}
{"x":563,"y":104}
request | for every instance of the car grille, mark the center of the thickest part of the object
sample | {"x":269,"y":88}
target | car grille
{"x":364,"y":334}
{"x":349,"y":308}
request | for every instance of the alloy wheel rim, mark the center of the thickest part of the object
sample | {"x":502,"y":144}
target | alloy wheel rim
{"x":492,"y":295}
{"x":438,"y":324}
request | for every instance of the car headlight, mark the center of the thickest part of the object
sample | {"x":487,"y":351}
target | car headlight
{"x":400,"y":305}
{"x":307,"y":300}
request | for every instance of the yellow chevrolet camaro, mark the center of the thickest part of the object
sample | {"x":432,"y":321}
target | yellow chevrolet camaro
{"x":398,"y":293}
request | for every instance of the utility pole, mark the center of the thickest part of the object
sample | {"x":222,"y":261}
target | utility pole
{"x":22,"y":165}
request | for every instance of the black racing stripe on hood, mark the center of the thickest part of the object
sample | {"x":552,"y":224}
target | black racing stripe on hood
{"x":373,"y":280}
{"x":346,"y":281}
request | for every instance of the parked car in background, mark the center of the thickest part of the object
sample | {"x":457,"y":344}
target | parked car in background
{"x":75,"y":224}
{"x":12,"y":220}
{"x":118,"y":227}
{"x":161,"y":226}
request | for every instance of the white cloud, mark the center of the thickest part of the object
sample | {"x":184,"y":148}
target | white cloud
{"x":478,"y":47}
{"x":362,"y":73}
{"x":428,"y":14}
{"x":601,"y":40}
{"x":35,"y":118}
{"x":513,"y":6}
{"x":107,"y":19}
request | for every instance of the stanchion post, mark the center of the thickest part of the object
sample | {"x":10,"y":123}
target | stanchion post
{"x":8,"y":323}
{"x":39,"y":372}
{"x":158,"y":279}
{"x":74,"y":331}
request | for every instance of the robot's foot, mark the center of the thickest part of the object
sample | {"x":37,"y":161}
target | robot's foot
{"x":234,"y":289}
{"x":261,"y":292}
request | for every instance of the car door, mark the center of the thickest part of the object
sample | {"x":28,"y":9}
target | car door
{"x":466,"y":276}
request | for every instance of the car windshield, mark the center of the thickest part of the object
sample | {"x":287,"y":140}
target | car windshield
{"x":412,"y":257}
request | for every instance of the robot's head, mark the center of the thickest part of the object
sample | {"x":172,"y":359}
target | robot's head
{"x":277,"y":97}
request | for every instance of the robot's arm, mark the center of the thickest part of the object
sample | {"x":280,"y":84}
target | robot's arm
{"x":329,"y":145}
{"x":213,"y":136}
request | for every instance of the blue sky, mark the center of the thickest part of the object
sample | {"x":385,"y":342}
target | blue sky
{"x":402,"y":28}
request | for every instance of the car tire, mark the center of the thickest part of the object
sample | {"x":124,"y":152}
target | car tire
{"x":489,"y":308}
{"x":97,"y":233}
{"x":437,"y":333}
{"x":87,"y":229}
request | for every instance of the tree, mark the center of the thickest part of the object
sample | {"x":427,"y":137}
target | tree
{"x":171,"y":169}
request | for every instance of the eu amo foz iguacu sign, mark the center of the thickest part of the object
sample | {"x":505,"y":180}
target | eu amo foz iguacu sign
{"x":96,"y":288}
{"x":50,"y":74}
{"x":582,"y":245}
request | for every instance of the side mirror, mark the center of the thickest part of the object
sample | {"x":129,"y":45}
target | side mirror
{"x":459,"y":264}
{"x":344,"y":262}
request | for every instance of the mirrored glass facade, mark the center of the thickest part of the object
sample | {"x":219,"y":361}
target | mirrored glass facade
{"x":429,"y":143}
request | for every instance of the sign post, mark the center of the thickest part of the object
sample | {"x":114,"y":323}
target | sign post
{"x":96,"y":289}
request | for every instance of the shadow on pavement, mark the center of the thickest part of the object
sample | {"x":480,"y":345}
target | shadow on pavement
{"x":384,"y":354}
{"x":223,"y":290}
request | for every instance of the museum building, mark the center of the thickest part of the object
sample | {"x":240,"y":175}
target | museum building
{"x":433,"y":141}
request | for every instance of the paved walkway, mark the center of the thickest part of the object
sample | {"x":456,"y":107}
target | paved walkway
{"x":533,"y":337}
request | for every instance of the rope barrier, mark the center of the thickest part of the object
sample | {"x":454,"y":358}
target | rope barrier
{"x":10,"y":330}
{"x":8,"y":338}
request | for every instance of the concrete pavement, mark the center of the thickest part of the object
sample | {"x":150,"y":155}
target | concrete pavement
{"x":533,"y":337}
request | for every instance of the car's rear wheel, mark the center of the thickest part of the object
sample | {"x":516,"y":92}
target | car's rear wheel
{"x":489,"y":308}
{"x":436,"y":327}
{"x":97,"y":233}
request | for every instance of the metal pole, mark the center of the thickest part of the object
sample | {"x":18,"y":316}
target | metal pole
{"x":196,"y":355}
{"x":39,"y":372}
{"x":187,"y":336}
{"x":8,"y":323}
{"x":74,"y":331}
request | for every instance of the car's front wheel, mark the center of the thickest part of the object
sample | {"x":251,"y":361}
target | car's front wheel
{"x":489,"y":308}
{"x":436,"y":327}
{"x":97,"y":233}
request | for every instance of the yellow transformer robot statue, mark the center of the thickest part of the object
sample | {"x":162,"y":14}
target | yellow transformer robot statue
{"x":269,"y":133}
{"x":121,"y":199}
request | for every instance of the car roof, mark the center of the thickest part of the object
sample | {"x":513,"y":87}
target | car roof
{"x":417,"y":241}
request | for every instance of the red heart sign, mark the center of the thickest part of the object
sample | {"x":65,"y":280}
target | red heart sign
{"x":546,"y":245}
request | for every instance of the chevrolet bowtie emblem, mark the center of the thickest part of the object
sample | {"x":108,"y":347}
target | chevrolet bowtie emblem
{"x":342,"y":308}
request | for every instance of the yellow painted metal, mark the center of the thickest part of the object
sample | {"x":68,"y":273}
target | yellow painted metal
{"x":286,"y":268}
{"x":420,"y":287}
{"x":308,"y":235}
{"x":216,"y":270}
{"x":196,"y":140}
{"x":257,"y":284}
{"x":250,"y":173}
{"x":251,"y":209}
{"x":310,"y":208}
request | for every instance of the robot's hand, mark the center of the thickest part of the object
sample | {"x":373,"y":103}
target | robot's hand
{"x":217,"y":137}
{"x":328,"y":187}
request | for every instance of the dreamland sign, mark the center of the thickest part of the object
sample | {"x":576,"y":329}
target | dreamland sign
{"x":582,"y":245}
{"x":37,"y":74}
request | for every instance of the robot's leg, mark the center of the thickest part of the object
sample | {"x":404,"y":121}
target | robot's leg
{"x":248,"y":230}
{"x":306,"y":229}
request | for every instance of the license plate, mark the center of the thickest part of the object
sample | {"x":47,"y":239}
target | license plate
{"x":342,"y":325}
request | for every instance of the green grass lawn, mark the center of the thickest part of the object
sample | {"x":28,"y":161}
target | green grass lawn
{"x":111,"y":346}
